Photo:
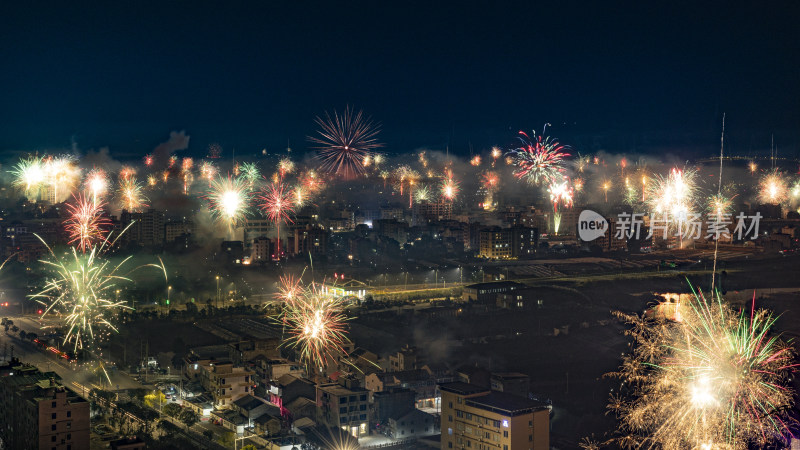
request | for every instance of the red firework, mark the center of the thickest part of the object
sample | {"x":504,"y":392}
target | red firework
{"x":345,"y":141}
{"x":86,"y":222}
{"x":539,"y":159}
{"x":148,"y":160}
{"x":276,"y":203}
{"x":490,"y":180}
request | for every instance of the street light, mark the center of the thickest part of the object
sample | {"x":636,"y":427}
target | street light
{"x":169,"y":289}
{"x":217,"y":290}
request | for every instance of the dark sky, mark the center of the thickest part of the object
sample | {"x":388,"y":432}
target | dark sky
{"x":249,"y":76}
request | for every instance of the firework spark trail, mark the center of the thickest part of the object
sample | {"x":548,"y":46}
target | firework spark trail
{"x":422,"y":193}
{"x":286,"y":166}
{"x":714,"y":378}
{"x":81,"y":290}
{"x":130,"y":195}
{"x":126,"y":172}
{"x":539,"y":160}
{"x":97,"y":183}
{"x":250,"y":173}
{"x":85,"y":223}
{"x":315,"y":322}
{"x":229,"y":200}
{"x":61,"y":175}
{"x":496,"y":153}
{"x":208,"y":171}
{"x":674,"y":197}
{"x":276,"y":202}
{"x":773,"y":188}
{"x":560,"y":192}
{"x":450,"y":189}
{"x":29,"y":175}
{"x":343,"y":142}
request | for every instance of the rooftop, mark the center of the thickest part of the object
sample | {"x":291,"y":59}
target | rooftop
{"x":506,"y":404}
{"x":497,"y":285}
{"x":457,"y":387}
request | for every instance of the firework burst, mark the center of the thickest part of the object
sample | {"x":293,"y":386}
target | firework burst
{"x":207,"y":170}
{"x":229,"y":199}
{"x":712,"y":378}
{"x":277,"y":203}
{"x":719,"y":205}
{"x":82,"y":290}
{"x":450,"y":189}
{"x":130,"y":194}
{"x":29,"y":175}
{"x":539,"y":160}
{"x":674,"y":195}
{"x":250,"y":172}
{"x":286,"y":166}
{"x":343,"y":142}
{"x":126,"y":172}
{"x":773,"y":188}
{"x":475,"y":161}
{"x":422,"y":193}
{"x":560,"y":192}
{"x":85,"y":223}
{"x":97,"y":183}
{"x":61,"y":175}
{"x":315,"y":322}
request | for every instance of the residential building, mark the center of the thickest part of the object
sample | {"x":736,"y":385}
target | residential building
{"x":511,"y":382}
{"x":407,"y":358}
{"x":410,"y":423}
{"x":146,"y":228}
{"x":38,"y":412}
{"x":174,"y":229}
{"x":346,"y":408}
{"x":262,"y":250}
{"x":308,"y":239}
{"x":496,"y":243}
{"x":226,"y":382}
{"x":474,"y":417}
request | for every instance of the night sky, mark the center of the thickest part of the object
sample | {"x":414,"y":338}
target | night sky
{"x":251,"y":76}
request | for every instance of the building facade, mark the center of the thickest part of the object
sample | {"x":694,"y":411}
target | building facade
{"x":474,"y":417}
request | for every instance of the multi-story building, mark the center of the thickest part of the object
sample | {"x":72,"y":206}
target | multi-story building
{"x":175,"y":229}
{"x":424,"y":212}
{"x":226,"y":383}
{"x":496,"y":243}
{"x":256,"y":227}
{"x":308,"y":239}
{"x":346,"y":408}
{"x":523,"y":241}
{"x":474,"y":417}
{"x":146,"y":228}
{"x":261,"y":250}
{"x":37,"y":412}
{"x":407,"y":358}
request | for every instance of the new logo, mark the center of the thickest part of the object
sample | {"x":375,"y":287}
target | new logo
{"x":591,"y":225}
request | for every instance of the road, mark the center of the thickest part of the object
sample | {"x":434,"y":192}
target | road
{"x":82,"y":378}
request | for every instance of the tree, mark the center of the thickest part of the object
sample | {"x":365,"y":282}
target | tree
{"x":137,"y":394}
{"x":249,"y":447}
{"x":227,"y":438}
{"x":23,"y":335}
{"x":155,"y":399}
{"x":208,"y":434}
{"x":188,"y":417}
{"x":171,"y":409}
